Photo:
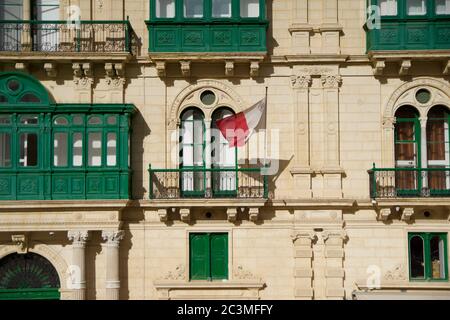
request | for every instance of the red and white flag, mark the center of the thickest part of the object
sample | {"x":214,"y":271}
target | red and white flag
{"x":237,"y":129}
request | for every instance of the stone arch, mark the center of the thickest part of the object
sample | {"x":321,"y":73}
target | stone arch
{"x":405,"y":95}
{"x":189,"y":97}
{"x":45,"y":251}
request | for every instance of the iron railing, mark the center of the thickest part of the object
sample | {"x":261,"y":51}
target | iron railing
{"x":208,"y":183}
{"x":64,"y":36}
{"x":409,"y":182}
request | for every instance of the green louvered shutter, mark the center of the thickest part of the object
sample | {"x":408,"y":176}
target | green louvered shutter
{"x":199,"y":256}
{"x":219,"y":256}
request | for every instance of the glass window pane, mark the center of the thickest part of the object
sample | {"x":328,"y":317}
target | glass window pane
{"x":165,"y":8}
{"x":249,"y":8}
{"x":417,"y":257}
{"x":188,"y":156}
{"x":28,"y":150}
{"x":388,"y":7}
{"x":29,"y":120}
{"x":95,"y":149}
{"x":443,"y":6}
{"x":5,"y":150}
{"x":5,"y":120}
{"x":3,"y":99}
{"x":77,"y":149}
{"x":193,"y":8}
{"x":78,"y":120}
{"x":95,"y":121}
{"x":221,"y":8}
{"x":11,"y":9}
{"x":61,"y":121}
{"x":60,"y":150}
{"x":112,"y":120}
{"x":198,"y":132}
{"x":46,"y":10}
{"x":437,"y":257}
{"x":111,"y":149}
{"x":198,"y":155}
{"x":30,"y":98}
{"x":416,"y":7}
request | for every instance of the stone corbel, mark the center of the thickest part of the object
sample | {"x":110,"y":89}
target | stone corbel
{"x":405,"y":67}
{"x":229,"y":68}
{"x":120,"y":69}
{"x":109,"y":69}
{"x":385,"y":213}
{"x":253,"y":214}
{"x":185,"y":68}
{"x":254,"y":68}
{"x":446,"y":70}
{"x":21,"y":242}
{"x":185,"y":214}
{"x":163,"y":214}
{"x":88,"y":69}
{"x":160,"y":68}
{"x":379,"y":67}
{"x":21,"y":66}
{"x":50,"y":69}
{"x":77,"y":70}
{"x":232,"y":214}
{"x":407,"y":214}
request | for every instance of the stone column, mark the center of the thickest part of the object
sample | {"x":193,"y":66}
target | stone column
{"x":334,"y":272}
{"x":302,"y":171}
{"x":112,"y":246}
{"x":78,"y":272}
{"x":303,"y":272}
{"x":331,"y":170}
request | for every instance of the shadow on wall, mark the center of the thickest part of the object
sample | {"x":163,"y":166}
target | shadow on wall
{"x":93,"y":250}
{"x":271,"y":42}
{"x":125,"y":246}
{"x":137,"y":150}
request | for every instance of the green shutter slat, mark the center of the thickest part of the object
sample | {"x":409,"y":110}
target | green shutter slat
{"x":219,"y":256}
{"x":199,"y":257}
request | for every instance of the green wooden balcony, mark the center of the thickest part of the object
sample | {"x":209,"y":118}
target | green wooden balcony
{"x":68,"y":37}
{"x":409,"y":182}
{"x":246,"y":183}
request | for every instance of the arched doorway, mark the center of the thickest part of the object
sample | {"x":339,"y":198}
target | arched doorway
{"x":28,"y":277}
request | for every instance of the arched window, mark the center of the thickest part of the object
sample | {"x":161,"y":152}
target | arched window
{"x":407,"y":148}
{"x":438,"y":147}
{"x":192,"y":152}
{"x":417,"y":257}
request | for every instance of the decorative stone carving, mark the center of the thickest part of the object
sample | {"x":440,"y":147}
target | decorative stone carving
{"x":21,"y":242}
{"x":51,"y":70}
{"x":398,"y":273}
{"x":304,"y":235}
{"x":82,"y":75}
{"x":185,"y":68}
{"x":301,"y":81}
{"x":78,"y":236}
{"x":178,"y":274}
{"x":379,"y":67}
{"x":241,"y":274}
{"x":113,"y":238}
{"x":407,"y":214}
{"x":405,"y":67}
{"x":115,"y":83}
{"x":88,"y":69}
{"x":160,"y":68}
{"x":21,"y":66}
{"x":232,"y":214}
{"x":341,"y":234}
{"x":109,"y":69}
{"x":254,"y":68}
{"x":163,"y":214}
{"x":229,"y":68}
{"x":388,"y":122}
{"x":385,"y":213}
{"x":114,"y":75}
{"x":253,"y":214}
{"x":331,"y":81}
{"x":316,"y":71}
{"x":185,"y":214}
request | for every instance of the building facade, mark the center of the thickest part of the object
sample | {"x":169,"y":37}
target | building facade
{"x":116,"y":184}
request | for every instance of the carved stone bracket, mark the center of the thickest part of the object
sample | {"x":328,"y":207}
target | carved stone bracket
{"x":185,"y":68}
{"x":21,"y":66}
{"x":51,"y":69}
{"x":301,"y":81}
{"x":253,"y":214}
{"x":185,"y":214}
{"x":160,"y":68}
{"x":114,"y":74}
{"x":379,"y":67}
{"x":232,"y":214}
{"x":163,"y":214}
{"x":254,"y":68}
{"x":82,"y":75}
{"x":229,"y":68}
{"x":385,"y":213}
{"x":21,"y":242}
{"x":407,"y":214}
{"x":405,"y":67}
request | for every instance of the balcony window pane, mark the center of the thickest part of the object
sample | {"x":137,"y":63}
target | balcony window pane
{"x":417,"y":257}
{"x":437,"y":258}
{"x":77,"y":149}
{"x":95,"y":121}
{"x":388,"y":7}
{"x":111,"y":160}
{"x":29,"y":120}
{"x":5,"y":120}
{"x":416,"y":7}
{"x":5,"y":150}
{"x":28,"y":150}
{"x":165,"y":8}
{"x":193,"y":8}
{"x":221,"y":8}
{"x":95,"y":149}
{"x":60,"y":150}
{"x":78,"y":120}
{"x":249,"y":8}
{"x":442,"y":6}
{"x":11,"y":9}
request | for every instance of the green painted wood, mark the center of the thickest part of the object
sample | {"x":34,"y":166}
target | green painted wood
{"x":219,"y":256}
{"x":46,"y":180}
{"x":199,"y":257}
{"x":208,"y":34}
{"x":30,"y":294}
{"x":403,"y":32}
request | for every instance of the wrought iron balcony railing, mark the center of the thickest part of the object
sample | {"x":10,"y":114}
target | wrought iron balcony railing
{"x":409,"y":182}
{"x":208,"y":183}
{"x":63,"y":36}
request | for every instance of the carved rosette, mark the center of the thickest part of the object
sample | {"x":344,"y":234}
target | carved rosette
{"x":302,"y":81}
{"x":331,"y":81}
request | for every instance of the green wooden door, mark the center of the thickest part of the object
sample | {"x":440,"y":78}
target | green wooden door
{"x":219,"y":256}
{"x":199,"y":259}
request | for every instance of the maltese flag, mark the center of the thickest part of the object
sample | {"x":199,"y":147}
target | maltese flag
{"x":237,"y":129}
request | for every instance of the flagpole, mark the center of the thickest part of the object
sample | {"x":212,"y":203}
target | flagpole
{"x":265,"y":131}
